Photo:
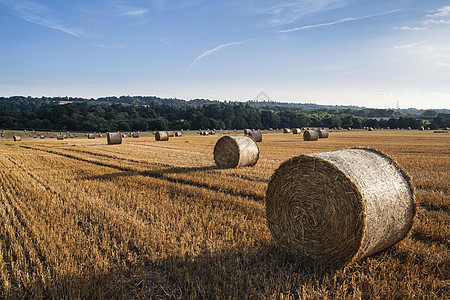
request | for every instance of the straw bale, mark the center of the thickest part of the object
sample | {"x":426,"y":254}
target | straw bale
{"x":256,"y":135}
{"x":91,"y":136}
{"x":247,"y":131}
{"x":286,"y":130}
{"x":17,"y":138}
{"x":161,"y":136}
{"x":60,"y":137}
{"x":170,"y":133}
{"x":334,"y":207}
{"x":114,"y":138}
{"x":135,"y":135}
{"x":296,"y":131}
{"x":178,"y":133}
{"x":310,"y":135}
{"x":323,"y":134}
{"x":235,"y":152}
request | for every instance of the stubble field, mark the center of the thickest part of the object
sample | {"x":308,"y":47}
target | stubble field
{"x":145,"y":219}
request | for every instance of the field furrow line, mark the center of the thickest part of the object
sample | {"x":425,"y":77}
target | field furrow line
{"x":214,"y":185}
{"x":176,"y":168}
{"x":25,"y":260}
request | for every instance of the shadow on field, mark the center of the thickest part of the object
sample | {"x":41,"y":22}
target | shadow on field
{"x":162,"y":174}
{"x":257,"y":272}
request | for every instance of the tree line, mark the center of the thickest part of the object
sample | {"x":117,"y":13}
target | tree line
{"x":102,"y":116}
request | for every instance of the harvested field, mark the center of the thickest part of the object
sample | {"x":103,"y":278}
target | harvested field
{"x":144,"y":219}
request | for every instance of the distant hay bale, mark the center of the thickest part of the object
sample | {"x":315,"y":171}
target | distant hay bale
{"x":114,"y":138}
{"x":91,"y":136}
{"x":310,"y":135}
{"x":296,"y":131}
{"x":247,"y":131}
{"x":42,"y":136}
{"x":178,"y":133}
{"x":334,"y":207}
{"x":256,"y":135}
{"x":421,"y":128}
{"x":135,"y":135}
{"x":323,"y":134}
{"x":17,"y":138}
{"x":235,"y":152}
{"x":161,"y":136}
{"x":286,"y":130}
{"x":212,"y":132}
{"x":60,"y":137}
{"x":170,"y":133}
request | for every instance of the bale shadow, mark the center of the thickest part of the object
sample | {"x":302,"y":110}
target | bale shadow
{"x":259,"y":272}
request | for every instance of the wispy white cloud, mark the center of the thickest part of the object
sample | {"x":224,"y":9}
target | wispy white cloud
{"x":132,"y":11}
{"x":410,"y":28}
{"x":209,"y":52}
{"x":349,"y":19}
{"x":441,"y":12}
{"x":42,"y":15}
{"x":110,"y":46}
{"x":408,"y":46}
{"x":288,"y":11}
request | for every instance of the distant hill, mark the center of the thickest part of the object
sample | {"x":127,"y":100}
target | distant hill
{"x":28,"y":102}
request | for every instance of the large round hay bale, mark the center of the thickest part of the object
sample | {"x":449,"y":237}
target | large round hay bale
{"x":161,"y":136}
{"x":178,"y":133}
{"x":323,"y":134}
{"x":91,"y":136}
{"x":286,"y":130}
{"x":170,"y":133}
{"x":310,"y":135}
{"x":114,"y":138}
{"x":235,"y":152}
{"x":256,"y":135}
{"x":135,"y":134}
{"x":296,"y":131}
{"x":334,"y":207}
{"x":17,"y":138}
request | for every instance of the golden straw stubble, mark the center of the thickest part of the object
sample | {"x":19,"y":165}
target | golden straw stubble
{"x":331,"y":208}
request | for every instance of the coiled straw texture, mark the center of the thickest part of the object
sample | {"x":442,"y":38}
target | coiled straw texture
{"x":114,"y":138}
{"x":235,"y":152}
{"x":161,"y":136}
{"x":334,"y":207}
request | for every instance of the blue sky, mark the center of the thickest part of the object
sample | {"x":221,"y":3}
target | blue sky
{"x":338,"y":52}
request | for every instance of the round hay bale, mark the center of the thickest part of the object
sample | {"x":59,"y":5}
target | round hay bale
{"x":114,"y":138}
{"x":60,"y":137}
{"x":17,"y":138}
{"x":235,"y":152}
{"x":135,"y":135}
{"x":170,"y":133}
{"x":256,"y":135}
{"x":310,"y":135}
{"x":247,"y":131}
{"x":161,"y":136}
{"x":334,"y":207}
{"x":286,"y":130}
{"x":91,"y":136}
{"x":296,"y":131}
{"x":323,"y":134}
{"x":178,"y":133}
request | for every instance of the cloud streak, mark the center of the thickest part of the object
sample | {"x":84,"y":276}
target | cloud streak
{"x":339,"y":21}
{"x":211,"y":51}
{"x":42,"y":15}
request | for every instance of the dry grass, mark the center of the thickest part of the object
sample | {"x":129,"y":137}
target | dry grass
{"x":81,"y":219}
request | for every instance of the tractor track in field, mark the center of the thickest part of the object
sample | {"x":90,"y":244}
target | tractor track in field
{"x":157,"y":174}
